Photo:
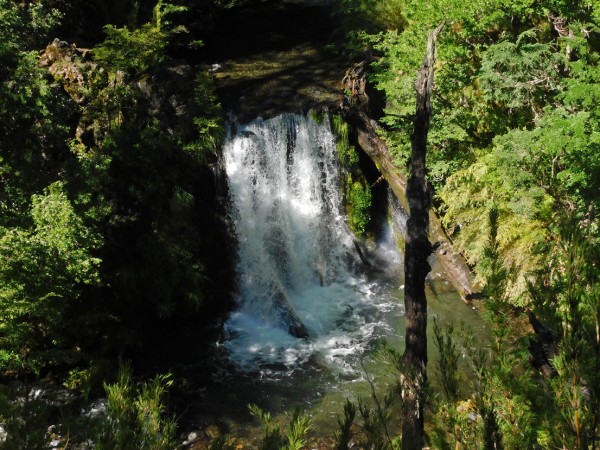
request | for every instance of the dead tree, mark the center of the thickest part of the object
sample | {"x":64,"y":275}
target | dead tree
{"x":416,"y":266}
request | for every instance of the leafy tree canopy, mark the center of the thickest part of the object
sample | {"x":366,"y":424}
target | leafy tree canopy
{"x":514,"y":113}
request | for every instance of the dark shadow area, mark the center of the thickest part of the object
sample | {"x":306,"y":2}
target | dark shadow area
{"x":253,"y":29}
{"x":308,"y":79}
{"x":273,"y":57}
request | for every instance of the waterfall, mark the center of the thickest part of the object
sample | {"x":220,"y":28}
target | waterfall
{"x":300,"y":290}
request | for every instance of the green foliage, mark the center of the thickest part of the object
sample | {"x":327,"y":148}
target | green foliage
{"x":144,"y":167}
{"x":449,"y":355}
{"x":523,"y":74}
{"x":514,"y":142}
{"x":276,"y":438}
{"x":23,"y":27}
{"x":499,"y":180}
{"x":137,"y":50}
{"x":125,"y":191}
{"x":376,"y":420}
{"x":43,"y":272}
{"x":343,"y":433}
{"x":496,"y":307}
{"x":80,"y":380}
{"x":135,"y":415}
{"x":346,"y":152}
{"x":499,"y":413}
{"x":376,"y":415}
{"x":359,"y":200}
{"x":318,"y":115}
{"x":513,"y":407}
{"x":162,"y":15}
{"x":273,"y":439}
{"x":208,"y":120}
{"x":34,"y":115}
{"x":569,"y":301}
{"x":514,"y":118}
{"x":357,"y":192}
{"x":298,"y":428}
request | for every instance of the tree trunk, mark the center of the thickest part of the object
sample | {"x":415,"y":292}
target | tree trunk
{"x":416,"y":266}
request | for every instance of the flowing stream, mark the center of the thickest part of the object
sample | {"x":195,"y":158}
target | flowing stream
{"x":310,"y":315}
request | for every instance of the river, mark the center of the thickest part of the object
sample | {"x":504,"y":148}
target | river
{"x":297,"y":266}
{"x":298,"y":271}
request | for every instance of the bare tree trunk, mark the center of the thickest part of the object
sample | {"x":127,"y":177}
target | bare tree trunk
{"x":416,"y":267}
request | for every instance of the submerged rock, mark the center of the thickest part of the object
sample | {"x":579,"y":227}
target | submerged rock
{"x":290,"y":319}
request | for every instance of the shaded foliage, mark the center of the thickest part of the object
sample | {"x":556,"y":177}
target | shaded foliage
{"x":108,"y":200}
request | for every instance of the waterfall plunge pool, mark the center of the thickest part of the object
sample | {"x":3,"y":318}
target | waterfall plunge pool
{"x":298,"y":273}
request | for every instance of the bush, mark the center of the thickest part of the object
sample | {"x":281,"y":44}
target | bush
{"x":135,"y":417}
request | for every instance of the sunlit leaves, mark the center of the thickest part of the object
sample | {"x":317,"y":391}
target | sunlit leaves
{"x":23,"y":28}
{"x":42,"y":270}
{"x":515,"y":119}
{"x":135,"y":415}
{"x":500,"y":178}
{"x":138,"y":49}
{"x":32,"y":110}
{"x":208,"y":121}
{"x":135,"y":50}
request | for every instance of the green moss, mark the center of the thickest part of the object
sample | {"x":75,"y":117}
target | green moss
{"x":318,"y":116}
{"x":346,"y":153}
{"x":358,"y":208}
{"x":356,"y":190}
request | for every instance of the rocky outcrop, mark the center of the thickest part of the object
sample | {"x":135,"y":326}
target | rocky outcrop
{"x":166,"y":93}
{"x":70,"y":65}
{"x":288,"y":316}
{"x":74,"y":69}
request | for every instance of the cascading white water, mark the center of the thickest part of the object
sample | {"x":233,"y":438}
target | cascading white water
{"x":297,"y":269}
